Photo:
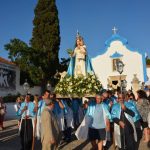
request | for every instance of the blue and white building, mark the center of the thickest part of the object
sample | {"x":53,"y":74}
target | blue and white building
{"x":117,"y":48}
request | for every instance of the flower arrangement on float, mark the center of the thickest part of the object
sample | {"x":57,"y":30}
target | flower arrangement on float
{"x":78,"y":86}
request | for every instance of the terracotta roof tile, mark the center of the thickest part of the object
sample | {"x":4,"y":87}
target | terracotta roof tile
{"x":3,"y":60}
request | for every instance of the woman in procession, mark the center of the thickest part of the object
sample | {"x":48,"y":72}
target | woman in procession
{"x":17,"y":106}
{"x":2,"y":112}
{"x":143,"y":107}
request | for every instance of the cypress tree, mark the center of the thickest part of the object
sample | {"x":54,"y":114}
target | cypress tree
{"x":45,"y":37}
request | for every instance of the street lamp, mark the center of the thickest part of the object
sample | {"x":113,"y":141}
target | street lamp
{"x":48,"y":86}
{"x":26,"y":86}
{"x":120,"y":66}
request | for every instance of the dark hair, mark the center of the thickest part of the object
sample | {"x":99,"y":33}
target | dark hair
{"x":85,"y":102}
{"x":103,"y":91}
{"x":141,"y":94}
{"x":123,"y":95}
{"x":127,"y":95}
{"x":53,"y":95}
{"x":80,"y":38}
{"x":110,"y":92}
{"x":28,"y":94}
{"x":131,"y":94}
{"x":98,"y":94}
{"x":48,"y":91}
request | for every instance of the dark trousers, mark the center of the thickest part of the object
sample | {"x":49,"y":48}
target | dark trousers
{"x":1,"y":120}
{"x":139,"y":137}
{"x":67,"y":132}
{"x":76,"y":119}
{"x":26,"y":134}
{"x":109,"y":141}
{"x":127,"y":139}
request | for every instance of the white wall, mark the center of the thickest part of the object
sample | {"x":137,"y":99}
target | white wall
{"x":148,"y":72}
{"x":102,"y":64}
{"x":20,"y":90}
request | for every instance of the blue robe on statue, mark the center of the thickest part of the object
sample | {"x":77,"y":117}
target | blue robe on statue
{"x":88,"y":66}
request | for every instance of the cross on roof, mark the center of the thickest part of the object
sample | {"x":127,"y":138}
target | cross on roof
{"x":114,"y":30}
{"x":78,"y":33}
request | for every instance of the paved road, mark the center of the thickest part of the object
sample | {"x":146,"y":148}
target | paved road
{"x":9,"y":140}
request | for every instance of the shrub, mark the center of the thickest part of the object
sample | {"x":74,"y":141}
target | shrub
{"x":10,"y":98}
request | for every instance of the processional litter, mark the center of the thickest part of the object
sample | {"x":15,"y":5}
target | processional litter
{"x":80,"y":79}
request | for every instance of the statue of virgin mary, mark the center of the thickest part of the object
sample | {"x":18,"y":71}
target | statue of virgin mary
{"x":80,"y":64}
{"x":80,"y":69}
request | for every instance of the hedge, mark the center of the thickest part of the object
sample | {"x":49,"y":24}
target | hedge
{"x":12,"y":98}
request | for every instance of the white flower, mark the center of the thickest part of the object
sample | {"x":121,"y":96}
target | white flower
{"x":89,"y":86}
{"x":91,"y":73}
{"x":70,"y":90}
{"x":96,"y":87}
{"x":70,"y":83}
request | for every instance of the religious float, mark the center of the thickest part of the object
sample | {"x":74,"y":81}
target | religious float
{"x":80,"y":79}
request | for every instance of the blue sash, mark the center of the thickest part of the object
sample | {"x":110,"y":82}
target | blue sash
{"x":130,"y":105}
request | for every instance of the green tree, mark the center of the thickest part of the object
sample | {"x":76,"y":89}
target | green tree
{"x":45,"y":37}
{"x":64,"y":63}
{"x":39,"y":61}
{"x":148,"y":61}
{"x":20,"y":53}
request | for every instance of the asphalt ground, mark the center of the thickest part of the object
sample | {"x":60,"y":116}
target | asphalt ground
{"x":10,"y":140}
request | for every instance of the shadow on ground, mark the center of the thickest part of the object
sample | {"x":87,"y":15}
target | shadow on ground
{"x":81,"y":146}
{"x":10,"y":140}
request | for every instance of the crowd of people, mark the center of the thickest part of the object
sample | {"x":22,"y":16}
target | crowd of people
{"x":46,"y":118}
{"x":112,"y":119}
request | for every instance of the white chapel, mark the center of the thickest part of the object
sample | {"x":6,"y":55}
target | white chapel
{"x":117,"y":48}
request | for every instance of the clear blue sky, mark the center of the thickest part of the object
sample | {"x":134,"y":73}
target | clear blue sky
{"x":93,"y":18}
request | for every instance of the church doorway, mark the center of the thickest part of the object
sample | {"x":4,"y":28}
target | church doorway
{"x":114,"y":81}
